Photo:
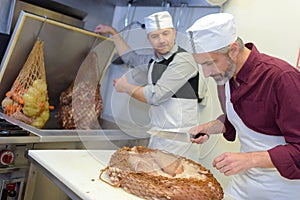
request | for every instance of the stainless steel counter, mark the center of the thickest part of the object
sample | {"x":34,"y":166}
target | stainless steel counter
{"x":19,"y":140}
{"x":47,"y":139}
{"x":85,"y":136}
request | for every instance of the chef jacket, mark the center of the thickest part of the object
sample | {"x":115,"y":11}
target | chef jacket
{"x":179,"y":71}
{"x":267,"y":101}
{"x":163,"y":83}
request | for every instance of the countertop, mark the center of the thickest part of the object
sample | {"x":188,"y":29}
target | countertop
{"x":77,"y":172}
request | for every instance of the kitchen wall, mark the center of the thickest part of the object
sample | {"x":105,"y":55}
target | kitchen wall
{"x":272,"y":25}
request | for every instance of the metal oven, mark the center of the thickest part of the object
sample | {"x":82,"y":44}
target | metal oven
{"x":13,"y":162}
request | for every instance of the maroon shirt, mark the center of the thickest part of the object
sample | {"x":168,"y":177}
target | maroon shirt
{"x":268,"y":102}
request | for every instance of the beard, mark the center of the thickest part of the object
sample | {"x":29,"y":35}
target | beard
{"x":221,"y":79}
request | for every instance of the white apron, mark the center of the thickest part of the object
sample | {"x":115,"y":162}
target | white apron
{"x":257,"y":183}
{"x":173,"y":119}
{"x":175,"y":114}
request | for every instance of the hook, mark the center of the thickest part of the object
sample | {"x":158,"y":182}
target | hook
{"x":183,"y":6}
{"x":166,"y":5}
{"x":128,"y":13}
{"x":43,"y":24}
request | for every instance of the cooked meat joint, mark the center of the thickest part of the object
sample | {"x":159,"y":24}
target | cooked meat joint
{"x":154,"y":174}
{"x":80,"y":107}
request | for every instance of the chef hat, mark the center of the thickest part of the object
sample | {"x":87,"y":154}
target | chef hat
{"x":158,"y":21}
{"x":212,"y":32}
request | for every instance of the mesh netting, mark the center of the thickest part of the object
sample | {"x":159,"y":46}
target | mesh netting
{"x":155,"y":174}
{"x":28,"y":98}
{"x":33,"y":69}
{"x":81,"y":104}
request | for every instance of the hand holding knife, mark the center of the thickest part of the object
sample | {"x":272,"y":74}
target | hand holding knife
{"x":199,"y":135}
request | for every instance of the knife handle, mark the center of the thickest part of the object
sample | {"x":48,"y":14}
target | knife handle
{"x":198,"y":135}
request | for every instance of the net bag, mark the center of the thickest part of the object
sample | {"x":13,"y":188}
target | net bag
{"x":155,"y":174}
{"x":84,"y":96}
{"x":80,"y":106}
{"x":27,"y":99}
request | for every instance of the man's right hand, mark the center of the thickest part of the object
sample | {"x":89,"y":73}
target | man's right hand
{"x":105,"y":29}
{"x":209,"y":128}
{"x":199,"y":130}
{"x":121,"y":46}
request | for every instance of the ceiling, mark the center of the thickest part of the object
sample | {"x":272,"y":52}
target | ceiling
{"x":173,"y":3}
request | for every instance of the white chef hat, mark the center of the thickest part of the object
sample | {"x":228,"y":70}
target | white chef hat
{"x":212,"y":32}
{"x":158,"y":20}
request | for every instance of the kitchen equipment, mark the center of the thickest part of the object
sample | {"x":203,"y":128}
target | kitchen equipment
{"x":52,"y":9}
{"x":65,"y":48}
{"x":7,"y":129}
{"x":11,"y":188}
{"x":6,"y":15}
{"x":13,"y":163}
{"x":86,"y":185}
{"x":63,"y":56}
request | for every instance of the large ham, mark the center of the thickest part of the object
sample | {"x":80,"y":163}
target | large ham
{"x":80,"y":107}
{"x":155,"y":174}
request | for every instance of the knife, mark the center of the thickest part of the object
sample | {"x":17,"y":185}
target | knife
{"x":198,"y":135}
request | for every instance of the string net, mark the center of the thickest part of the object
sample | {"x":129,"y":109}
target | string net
{"x":155,"y":174}
{"x":27,"y":99}
{"x":81,"y":104}
{"x":33,"y":69}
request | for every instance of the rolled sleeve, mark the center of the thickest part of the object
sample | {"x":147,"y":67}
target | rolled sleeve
{"x":139,"y":66}
{"x":230,"y":132}
{"x":134,"y":59}
{"x":285,"y":158}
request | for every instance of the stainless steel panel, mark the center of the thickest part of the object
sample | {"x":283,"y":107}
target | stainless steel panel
{"x":90,"y":138}
{"x":97,"y":11}
{"x":6,"y":15}
{"x":65,"y":48}
{"x":50,"y":14}
{"x":59,"y":8}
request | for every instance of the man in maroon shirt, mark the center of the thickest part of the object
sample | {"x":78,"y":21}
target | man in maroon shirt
{"x":260,"y":97}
